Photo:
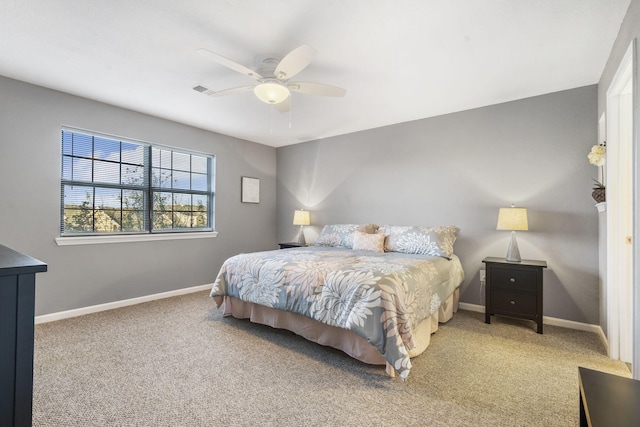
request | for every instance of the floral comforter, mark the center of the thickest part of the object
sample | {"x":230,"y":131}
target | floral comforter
{"x":378,"y":296}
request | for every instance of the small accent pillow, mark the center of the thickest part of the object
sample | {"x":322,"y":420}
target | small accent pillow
{"x":436,"y":241}
{"x":341,"y":235}
{"x":368,"y":242}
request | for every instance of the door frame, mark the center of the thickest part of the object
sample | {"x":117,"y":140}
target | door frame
{"x":636,"y":206}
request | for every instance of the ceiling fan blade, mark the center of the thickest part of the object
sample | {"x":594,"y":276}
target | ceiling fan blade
{"x":225,"y":92}
{"x":230,"y":64}
{"x":295,"y":61}
{"x":284,"y":106}
{"x":321,"y":89}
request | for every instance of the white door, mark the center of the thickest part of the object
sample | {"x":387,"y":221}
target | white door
{"x":620,"y":201}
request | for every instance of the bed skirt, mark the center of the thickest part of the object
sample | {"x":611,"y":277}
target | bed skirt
{"x":332,"y":336}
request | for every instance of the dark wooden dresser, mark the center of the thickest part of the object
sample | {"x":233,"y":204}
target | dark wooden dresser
{"x":514,"y":289}
{"x":17,"y":298}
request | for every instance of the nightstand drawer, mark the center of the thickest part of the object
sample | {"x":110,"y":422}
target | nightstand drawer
{"x":511,"y":279}
{"x":516,"y":303}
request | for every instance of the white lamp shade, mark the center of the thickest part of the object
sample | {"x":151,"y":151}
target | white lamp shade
{"x":514,"y":219}
{"x":271,"y":93}
{"x":301,"y":217}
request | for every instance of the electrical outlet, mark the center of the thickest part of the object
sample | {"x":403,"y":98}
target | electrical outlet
{"x":482,"y":275}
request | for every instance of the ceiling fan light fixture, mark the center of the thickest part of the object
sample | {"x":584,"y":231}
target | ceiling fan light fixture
{"x":271,"y":93}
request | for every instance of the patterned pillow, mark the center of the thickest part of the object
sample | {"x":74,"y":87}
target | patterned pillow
{"x":437,"y":241}
{"x":341,"y":235}
{"x":368,"y":242}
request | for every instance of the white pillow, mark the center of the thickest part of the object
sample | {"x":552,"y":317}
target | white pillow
{"x":368,"y":242}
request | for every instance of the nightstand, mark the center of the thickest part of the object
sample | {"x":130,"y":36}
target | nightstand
{"x":291,"y":245}
{"x":514,"y":289}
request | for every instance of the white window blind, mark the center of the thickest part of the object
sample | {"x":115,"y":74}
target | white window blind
{"x":112,"y":186}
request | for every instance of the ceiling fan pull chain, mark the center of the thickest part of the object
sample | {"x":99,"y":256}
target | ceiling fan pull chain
{"x":271,"y":120}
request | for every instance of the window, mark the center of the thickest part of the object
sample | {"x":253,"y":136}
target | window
{"x":115,"y":186}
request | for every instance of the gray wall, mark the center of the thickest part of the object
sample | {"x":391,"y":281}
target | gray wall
{"x":459,"y":169}
{"x":80,"y":276}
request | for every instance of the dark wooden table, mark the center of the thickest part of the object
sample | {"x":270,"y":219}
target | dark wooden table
{"x":17,"y":298}
{"x":608,"y":400}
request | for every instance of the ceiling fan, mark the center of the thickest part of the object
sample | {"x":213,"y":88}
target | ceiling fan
{"x":273,"y":85}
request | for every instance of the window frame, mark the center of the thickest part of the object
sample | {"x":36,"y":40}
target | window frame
{"x":149,"y":232}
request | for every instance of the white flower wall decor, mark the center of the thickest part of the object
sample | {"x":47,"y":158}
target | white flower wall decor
{"x":597,"y":157}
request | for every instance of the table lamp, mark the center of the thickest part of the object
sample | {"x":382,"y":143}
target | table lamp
{"x":301,"y":218}
{"x":513,"y":219}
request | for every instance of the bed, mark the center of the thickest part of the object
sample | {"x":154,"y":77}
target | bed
{"x":376,"y":294}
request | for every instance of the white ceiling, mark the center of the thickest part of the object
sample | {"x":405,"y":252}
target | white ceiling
{"x":399,"y":60}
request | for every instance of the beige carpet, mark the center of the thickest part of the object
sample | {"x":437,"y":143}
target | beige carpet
{"x":176,"y":362}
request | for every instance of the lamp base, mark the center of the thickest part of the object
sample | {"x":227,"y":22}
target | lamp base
{"x":513,"y":254}
{"x":301,"y":239}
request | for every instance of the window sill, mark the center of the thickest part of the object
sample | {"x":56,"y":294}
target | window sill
{"x":97,"y":240}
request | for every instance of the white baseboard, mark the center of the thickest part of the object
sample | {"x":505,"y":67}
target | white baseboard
{"x":605,"y":340}
{"x":133,"y":301}
{"x":471,"y":307}
{"x":117,"y":304}
{"x":553,"y":321}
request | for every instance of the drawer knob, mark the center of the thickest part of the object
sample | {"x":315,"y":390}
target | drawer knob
{"x":512,"y":280}
{"x":513,"y":302}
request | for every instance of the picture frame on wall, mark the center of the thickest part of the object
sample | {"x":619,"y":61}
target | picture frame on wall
{"x":250,"y":190}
